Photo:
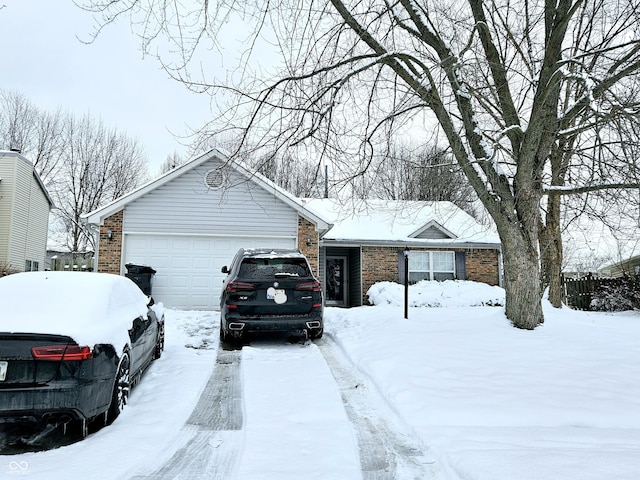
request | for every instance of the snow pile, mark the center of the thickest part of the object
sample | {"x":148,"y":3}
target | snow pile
{"x":450,"y":293}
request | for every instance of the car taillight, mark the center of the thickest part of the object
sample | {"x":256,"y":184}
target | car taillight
{"x":240,"y":287}
{"x":61,"y":352}
{"x":309,"y":286}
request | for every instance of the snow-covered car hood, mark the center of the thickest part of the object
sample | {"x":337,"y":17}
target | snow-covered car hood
{"x":91,"y":308}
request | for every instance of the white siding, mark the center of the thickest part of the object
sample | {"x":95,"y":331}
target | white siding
{"x":20,"y":217}
{"x":188,"y":267}
{"x":38,"y":224}
{"x":26,"y":216}
{"x":187,"y":206}
{"x":187,"y":231}
{"x":7,"y":188}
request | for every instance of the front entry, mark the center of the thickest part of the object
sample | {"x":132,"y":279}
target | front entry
{"x":337,"y":280}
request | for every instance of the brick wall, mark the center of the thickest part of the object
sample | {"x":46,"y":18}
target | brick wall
{"x":306,"y":229}
{"x":110,"y":250}
{"x":482,"y":266}
{"x":379,"y":264}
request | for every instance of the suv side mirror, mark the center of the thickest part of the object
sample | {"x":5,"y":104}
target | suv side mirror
{"x":224,"y":269}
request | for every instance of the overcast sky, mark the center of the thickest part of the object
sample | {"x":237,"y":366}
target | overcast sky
{"x":42,"y":58}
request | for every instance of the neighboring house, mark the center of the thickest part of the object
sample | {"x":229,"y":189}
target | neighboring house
{"x":24,"y":214}
{"x":628,"y":267}
{"x":62,"y":259}
{"x":189,"y":223}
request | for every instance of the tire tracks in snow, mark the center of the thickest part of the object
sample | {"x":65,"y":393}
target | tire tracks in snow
{"x":212,"y":435}
{"x":385,"y":453}
{"x":212,"y":439}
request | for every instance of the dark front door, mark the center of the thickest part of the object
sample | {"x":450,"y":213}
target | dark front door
{"x":336,"y":281}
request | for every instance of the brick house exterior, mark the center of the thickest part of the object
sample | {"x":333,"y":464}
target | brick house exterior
{"x":483,"y":265}
{"x":110,"y":244}
{"x":308,"y":244}
{"x":187,"y":227}
{"x":380,"y":264}
{"x":110,"y":248}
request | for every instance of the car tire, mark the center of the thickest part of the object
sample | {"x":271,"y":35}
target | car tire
{"x":157,"y":353}
{"x":121,"y":388}
{"x":316,"y":335}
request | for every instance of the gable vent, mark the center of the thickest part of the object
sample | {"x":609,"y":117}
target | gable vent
{"x":432,"y":233}
{"x":214,"y":178}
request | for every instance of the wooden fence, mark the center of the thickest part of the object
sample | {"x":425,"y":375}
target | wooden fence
{"x":579,"y":292}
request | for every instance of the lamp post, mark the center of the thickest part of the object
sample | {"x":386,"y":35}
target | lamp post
{"x":406,"y":282}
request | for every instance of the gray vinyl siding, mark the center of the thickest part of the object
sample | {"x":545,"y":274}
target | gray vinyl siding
{"x":187,"y":206}
{"x":432,"y":233}
{"x":19,"y":218}
{"x":28,"y":216}
{"x":38,"y":225}
{"x":7,"y":188}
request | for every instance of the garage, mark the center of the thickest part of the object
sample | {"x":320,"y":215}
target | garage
{"x":190,"y":222}
{"x":188,"y":267}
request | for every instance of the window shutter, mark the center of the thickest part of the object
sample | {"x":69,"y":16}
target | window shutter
{"x":461,"y":265}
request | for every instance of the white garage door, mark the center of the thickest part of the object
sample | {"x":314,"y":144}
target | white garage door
{"x":187,"y":268}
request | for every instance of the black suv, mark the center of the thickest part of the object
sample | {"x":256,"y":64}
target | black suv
{"x":270,"y":290}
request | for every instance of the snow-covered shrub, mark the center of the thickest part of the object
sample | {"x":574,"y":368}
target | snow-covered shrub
{"x":449,"y":293}
{"x":618,"y":295}
{"x":5,"y":269}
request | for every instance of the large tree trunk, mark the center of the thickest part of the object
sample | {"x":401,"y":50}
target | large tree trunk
{"x":521,"y":281}
{"x":551,"y":251}
{"x":520,"y":249}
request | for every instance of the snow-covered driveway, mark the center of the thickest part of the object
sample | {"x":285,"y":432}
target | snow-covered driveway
{"x":272,"y":410}
{"x":454,"y":392}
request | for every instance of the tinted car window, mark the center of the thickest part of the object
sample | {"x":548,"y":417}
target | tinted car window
{"x":273,"y":267}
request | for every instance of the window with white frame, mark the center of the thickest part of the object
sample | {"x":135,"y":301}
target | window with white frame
{"x":31,"y":266}
{"x":431,"y":266}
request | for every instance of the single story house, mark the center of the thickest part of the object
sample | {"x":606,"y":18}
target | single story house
{"x":61,"y":259}
{"x":25,"y":204}
{"x":188,"y":224}
{"x":628,"y":267}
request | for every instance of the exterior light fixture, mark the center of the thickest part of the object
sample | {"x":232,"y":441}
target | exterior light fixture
{"x":309,"y":242}
{"x":109,"y":235}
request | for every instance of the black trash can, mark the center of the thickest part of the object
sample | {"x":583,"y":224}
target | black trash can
{"x":141,"y":275}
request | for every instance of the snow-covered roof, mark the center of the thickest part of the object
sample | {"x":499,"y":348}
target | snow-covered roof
{"x":408,"y":223}
{"x":91,"y":308}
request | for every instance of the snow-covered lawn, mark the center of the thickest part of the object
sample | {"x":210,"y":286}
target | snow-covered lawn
{"x":490,"y":401}
{"x":494,"y":402}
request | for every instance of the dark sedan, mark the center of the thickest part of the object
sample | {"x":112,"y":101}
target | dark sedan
{"x":270,"y":290}
{"x":71,"y":347}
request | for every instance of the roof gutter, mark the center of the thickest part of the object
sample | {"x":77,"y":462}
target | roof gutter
{"x":332,"y":242}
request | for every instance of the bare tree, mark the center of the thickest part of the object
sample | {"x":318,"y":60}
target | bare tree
{"x":97,"y":166}
{"x":171,"y":162}
{"x":37,"y":134}
{"x":489,"y":75}
{"x":595,"y":152}
{"x":83,"y":164}
{"x":426,"y":173}
{"x":302,"y":178}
